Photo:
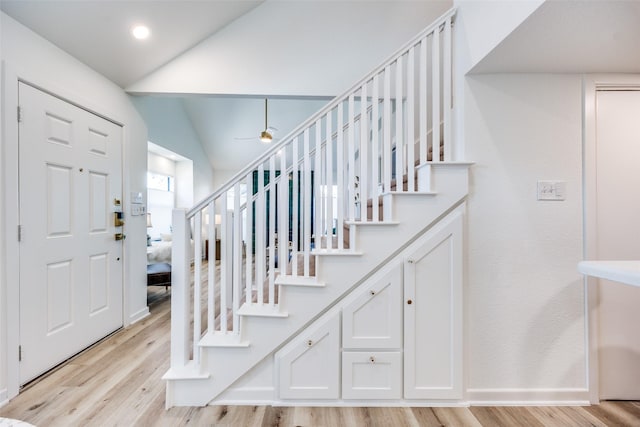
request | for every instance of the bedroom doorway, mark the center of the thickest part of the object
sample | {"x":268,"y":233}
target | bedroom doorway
{"x":169,"y":186}
{"x":71,"y":267}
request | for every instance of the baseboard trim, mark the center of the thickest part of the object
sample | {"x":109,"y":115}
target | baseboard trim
{"x":138,"y":316}
{"x":528,"y":397}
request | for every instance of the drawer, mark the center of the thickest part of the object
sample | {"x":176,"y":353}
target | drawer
{"x":371,"y":375}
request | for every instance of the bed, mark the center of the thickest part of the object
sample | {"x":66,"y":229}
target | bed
{"x":160,"y":250}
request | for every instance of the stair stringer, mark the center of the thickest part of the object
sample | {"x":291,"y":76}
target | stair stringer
{"x":341,"y":274}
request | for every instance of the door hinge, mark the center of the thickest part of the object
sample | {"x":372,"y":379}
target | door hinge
{"x":19,"y":233}
{"x":19,"y":114}
{"x":19,"y":353}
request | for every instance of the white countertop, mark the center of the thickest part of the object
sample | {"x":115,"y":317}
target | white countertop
{"x":627,"y":272}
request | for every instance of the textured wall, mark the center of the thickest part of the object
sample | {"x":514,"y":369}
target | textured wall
{"x":524,"y":298}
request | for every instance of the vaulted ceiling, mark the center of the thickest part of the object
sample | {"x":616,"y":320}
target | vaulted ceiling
{"x":232,"y":54}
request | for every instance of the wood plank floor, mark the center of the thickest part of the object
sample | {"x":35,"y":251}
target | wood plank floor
{"x":117,"y":383}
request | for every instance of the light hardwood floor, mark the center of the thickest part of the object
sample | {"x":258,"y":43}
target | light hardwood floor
{"x":117,"y":383}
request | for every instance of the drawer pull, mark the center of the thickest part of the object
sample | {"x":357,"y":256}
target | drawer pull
{"x":372,"y":292}
{"x":372,"y":359}
{"x":309,"y":343}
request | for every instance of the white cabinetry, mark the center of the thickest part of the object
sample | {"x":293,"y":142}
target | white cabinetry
{"x":433,"y":314}
{"x":372,"y":339}
{"x":309,"y":366}
{"x":371,"y":375}
{"x":401,"y":331}
{"x":374,"y":318}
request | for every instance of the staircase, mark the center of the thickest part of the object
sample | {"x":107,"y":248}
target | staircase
{"x":304,"y":225}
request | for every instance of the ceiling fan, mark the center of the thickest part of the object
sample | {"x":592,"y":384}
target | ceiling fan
{"x":266,"y":136}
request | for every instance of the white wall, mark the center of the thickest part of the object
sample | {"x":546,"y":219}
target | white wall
{"x":479,"y":27}
{"x":524,"y":299}
{"x":28,"y":56}
{"x":169,"y":127}
{"x":303,"y":48}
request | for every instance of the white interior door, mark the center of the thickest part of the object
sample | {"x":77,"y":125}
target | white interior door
{"x":70,"y":263}
{"x":618,"y":237}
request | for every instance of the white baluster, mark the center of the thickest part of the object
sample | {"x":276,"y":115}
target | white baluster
{"x":307,"y":204}
{"x":423,"y":101}
{"x":446,"y":73}
{"x":224,"y":262}
{"x":399,"y":126}
{"x":435,"y":96}
{"x":295,"y":224}
{"x":351,"y":159}
{"x":364,"y":153}
{"x":318,"y":183}
{"x":340,"y":175}
{"x":386,"y":152}
{"x":211,"y":268}
{"x":375,"y":150}
{"x":283,"y":227}
{"x":410,"y":120}
{"x":197,"y":283}
{"x":249,"y":242}
{"x":237,"y":257}
{"x":329,"y":179}
{"x":260,"y":236}
{"x":272,"y":230}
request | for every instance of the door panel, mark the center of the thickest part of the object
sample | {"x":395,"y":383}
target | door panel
{"x":70,"y":264}
{"x":618,"y":237}
{"x":432,"y":315}
{"x":309,"y":367}
{"x":374,"y":320}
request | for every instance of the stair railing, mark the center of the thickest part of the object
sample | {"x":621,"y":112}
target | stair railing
{"x":300,"y":198}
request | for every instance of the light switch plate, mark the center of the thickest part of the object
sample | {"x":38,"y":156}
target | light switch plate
{"x":552,"y":190}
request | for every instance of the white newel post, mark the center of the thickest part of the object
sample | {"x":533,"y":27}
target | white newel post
{"x":180,"y":302}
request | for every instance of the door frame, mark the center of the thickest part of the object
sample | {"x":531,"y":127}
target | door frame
{"x":10,"y":292}
{"x":592,"y":83}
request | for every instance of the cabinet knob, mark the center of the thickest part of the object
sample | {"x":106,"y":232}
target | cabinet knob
{"x":309,"y":343}
{"x":372,"y":292}
{"x":372,"y":359}
{"x":409,"y":302}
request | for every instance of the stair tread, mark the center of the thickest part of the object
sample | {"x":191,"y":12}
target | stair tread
{"x":367,"y":222}
{"x":335,"y":252}
{"x":289,"y":280}
{"x":411,"y":193}
{"x":221,"y":339}
{"x":190,"y":371}
{"x":261,"y":310}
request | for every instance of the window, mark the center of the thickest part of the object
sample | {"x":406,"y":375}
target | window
{"x":160,"y":182}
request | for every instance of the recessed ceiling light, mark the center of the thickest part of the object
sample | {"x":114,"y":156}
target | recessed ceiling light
{"x":140,"y":32}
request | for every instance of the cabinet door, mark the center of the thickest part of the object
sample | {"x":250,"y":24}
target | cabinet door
{"x":371,"y":375}
{"x":309,"y":367}
{"x":374,"y":319}
{"x":433,"y":314}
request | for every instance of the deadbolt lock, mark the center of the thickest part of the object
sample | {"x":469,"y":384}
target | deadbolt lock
{"x":117,"y":219}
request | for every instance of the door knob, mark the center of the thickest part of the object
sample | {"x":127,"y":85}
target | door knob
{"x":120,"y":236}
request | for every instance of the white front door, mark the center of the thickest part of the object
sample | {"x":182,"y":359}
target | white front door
{"x":618,"y":237}
{"x":70,"y":263}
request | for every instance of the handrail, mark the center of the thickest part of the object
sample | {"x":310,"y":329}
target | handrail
{"x":327,"y":108}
